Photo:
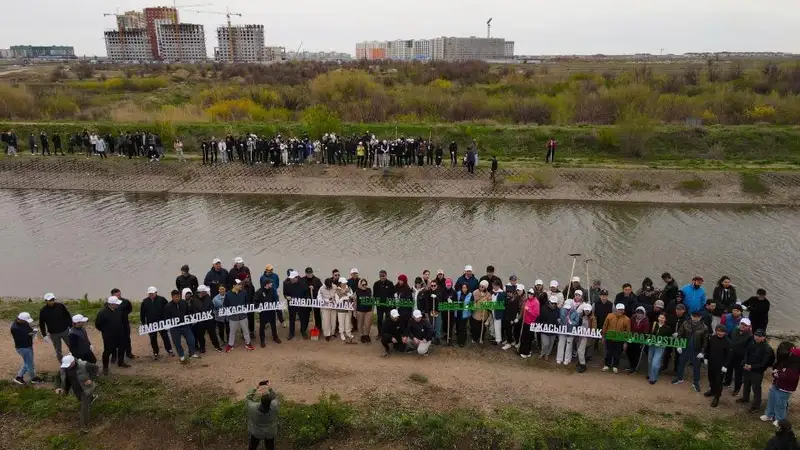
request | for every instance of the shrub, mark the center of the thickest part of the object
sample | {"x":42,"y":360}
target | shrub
{"x":633,"y":131}
{"x":16,"y":102}
{"x":319,"y":120}
{"x":233,"y":110}
{"x":762,"y":113}
{"x":310,"y":424}
{"x":752,"y":184}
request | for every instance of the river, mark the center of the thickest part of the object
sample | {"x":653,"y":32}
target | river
{"x":73,"y":243}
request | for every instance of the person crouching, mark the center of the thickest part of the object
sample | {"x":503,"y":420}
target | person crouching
{"x":420,"y":333}
{"x":392,"y":331}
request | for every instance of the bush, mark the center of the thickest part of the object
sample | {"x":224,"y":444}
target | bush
{"x":633,"y":131}
{"x":310,"y":424}
{"x":319,"y":120}
{"x":234,"y":110}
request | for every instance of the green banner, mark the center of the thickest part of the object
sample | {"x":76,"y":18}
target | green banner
{"x":386,"y":303}
{"x":460,"y":306}
{"x":646,"y":339}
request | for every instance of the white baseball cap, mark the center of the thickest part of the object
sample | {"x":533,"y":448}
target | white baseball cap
{"x":554,"y":283}
{"x":539,"y":282}
{"x":353,"y":270}
{"x":216,"y":261}
{"x":113,"y":300}
{"x":619,"y":306}
{"x":745,"y":321}
{"x":238,"y":260}
{"x":394,"y":314}
{"x":579,"y":292}
{"x":568,"y":305}
{"x":587,"y":307}
{"x":67,"y":361}
{"x":203,"y":288}
{"x":576,"y":279}
{"x":237,"y":281}
{"x":640,"y":308}
{"x":417,"y":314}
{"x":521,"y":287}
{"x":531,"y":291}
{"x":152,"y":290}
{"x":49,"y":296}
{"x":79,"y":318}
{"x":342,"y":280}
{"x":485,"y":283}
{"x":185,"y":291}
{"x":25,"y":316}
{"x":293,"y":274}
{"x":467,"y":268}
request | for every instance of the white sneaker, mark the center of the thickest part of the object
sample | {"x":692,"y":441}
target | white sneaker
{"x":765,"y":418}
{"x":183,"y":359}
{"x":615,"y":370}
{"x":558,"y":362}
{"x":507,"y":346}
{"x":775,"y":424}
{"x":604,"y":369}
{"x":516,"y":346}
{"x":195,"y":355}
{"x":566,"y":363}
{"x":524,"y":356}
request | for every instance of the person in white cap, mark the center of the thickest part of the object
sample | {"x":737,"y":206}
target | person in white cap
{"x":152,"y":311}
{"x":615,"y":322}
{"x":239,"y":271}
{"x":392,"y":332}
{"x":468,"y":278}
{"x":420,"y":333}
{"x":587,"y":320}
{"x":54,"y":322}
{"x":237,"y":297}
{"x":344,"y":316}
{"x":79,"y":343}
{"x":531,"y":309}
{"x":178,"y":308}
{"x":574,"y":285}
{"x":570,"y":318}
{"x":549,"y":315}
{"x":639,"y":324}
{"x":109,"y":323}
{"x":79,"y":377}
{"x":479,"y":316}
{"x":126,"y":308}
{"x":741,"y":340}
{"x":23,"y":334}
{"x":217,"y":277}
{"x":555,"y":292}
{"x":352,"y":283}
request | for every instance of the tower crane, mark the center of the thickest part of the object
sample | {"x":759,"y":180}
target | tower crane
{"x":231,"y":37}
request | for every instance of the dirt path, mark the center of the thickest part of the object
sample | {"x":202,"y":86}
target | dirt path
{"x":487,"y":377}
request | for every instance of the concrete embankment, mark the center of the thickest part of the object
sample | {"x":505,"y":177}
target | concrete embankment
{"x":562,"y":184}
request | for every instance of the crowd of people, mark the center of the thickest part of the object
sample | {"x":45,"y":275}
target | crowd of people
{"x":366,"y":151}
{"x":418,"y":315}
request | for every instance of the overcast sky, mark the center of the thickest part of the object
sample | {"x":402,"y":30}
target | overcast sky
{"x":537,"y":26}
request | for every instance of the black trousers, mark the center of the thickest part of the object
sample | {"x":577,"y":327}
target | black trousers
{"x":164,"y":337}
{"x":88,"y":357}
{"x":126,"y":341}
{"x":265,"y":317}
{"x":752,"y":382}
{"x":251,"y":324}
{"x":475,"y":329}
{"x":304,"y":314}
{"x":438,"y":160}
{"x":223,"y":330}
{"x":386,"y":341}
{"x":362,"y":161}
{"x":551,"y":155}
{"x":714,"y":379}
{"x":461,"y":331}
{"x":429,"y":159}
{"x":453,"y":159}
{"x":668,"y":353}
{"x":382,"y":313}
{"x":509,"y":335}
{"x":201,"y":328}
{"x":470,"y":166}
{"x":735,"y":373}
{"x":269,"y":444}
{"x":526,"y":343}
{"x":113,"y":346}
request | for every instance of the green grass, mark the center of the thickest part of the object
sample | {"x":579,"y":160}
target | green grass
{"x":637,"y":185}
{"x":752,"y":184}
{"x":9,"y":309}
{"x":694,"y":185}
{"x":418,"y":378}
{"x":216,"y":420}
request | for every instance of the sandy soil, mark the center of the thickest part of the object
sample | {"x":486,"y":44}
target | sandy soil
{"x":473,"y":376}
{"x":603,"y":185}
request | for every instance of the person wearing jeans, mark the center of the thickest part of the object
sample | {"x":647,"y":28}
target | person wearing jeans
{"x":177,"y":309}
{"x":23,"y":335}
{"x":785,"y":376}
{"x":655,"y":353}
{"x":697,"y":334}
{"x":54,"y":323}
{"x":222,"y":327}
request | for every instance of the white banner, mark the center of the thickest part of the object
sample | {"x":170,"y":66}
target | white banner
{"x":315,"y":303}
{"x":562,"y":329}
{"x":244,"y":309}
{"x":175,"y":322}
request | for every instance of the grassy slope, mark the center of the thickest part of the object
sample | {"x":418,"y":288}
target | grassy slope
{"x":677,"y":146}
{"x":211,"y":420}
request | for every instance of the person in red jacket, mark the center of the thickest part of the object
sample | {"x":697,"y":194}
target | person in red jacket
{"x":530,"y":312}
{"x":785,"y":374}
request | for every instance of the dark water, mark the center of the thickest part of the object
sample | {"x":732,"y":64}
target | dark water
{"x":76,"y":243}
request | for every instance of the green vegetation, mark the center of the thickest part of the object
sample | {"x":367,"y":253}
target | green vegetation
{"x":637,"y":185}
{"x":752,"y":184}
{"x":9,"y":309}
{"x":693,"y":185}
{"x":213,"y":420}
{"x":418,"y":378}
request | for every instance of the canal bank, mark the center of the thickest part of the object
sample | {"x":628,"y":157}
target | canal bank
{"x":543,"y":184}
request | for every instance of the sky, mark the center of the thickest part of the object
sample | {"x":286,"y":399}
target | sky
{"x":538,"y":27}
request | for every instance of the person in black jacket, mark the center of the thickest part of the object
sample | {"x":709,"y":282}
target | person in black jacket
{"x":784,"y":438}
{"x":57,"y":144}
{"x":724,"y":299}
{"x":127,"y":308}
{"x":392,"y":332}
{"x":312,"y":284}
{"x":670,"y":290}
{"x":217,"y":276}
{"x":758,"y":306}
{"x":151,"y":311}
{"x":186,"y":280}
{"x":757,"y":359}
{"x":420,"y":333}
{"x":741,"y":340}
{"x":55,"y":319}
{"x":293,"y":288}
{"x":176,"y":309}
{"x":383,"y":291}
{"x":716,"y":355}
{"x":109,"y":322}
{"x":267,"y":294}
{"x":202,"y":302}
{"x":79,"y":344}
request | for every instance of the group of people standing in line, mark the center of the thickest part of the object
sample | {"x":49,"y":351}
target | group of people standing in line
{"x":131,"y":145}
{"x":411,"y":318}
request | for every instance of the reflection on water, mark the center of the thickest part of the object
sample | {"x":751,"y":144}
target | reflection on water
{"x":76,"y":243}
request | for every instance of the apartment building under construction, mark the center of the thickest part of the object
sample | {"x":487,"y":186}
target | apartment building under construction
{"x":240,"y":43}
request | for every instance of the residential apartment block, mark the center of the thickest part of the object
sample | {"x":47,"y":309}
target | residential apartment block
{"x":441,"y":48}
{"x":245,"y":41}
{"x":132,"y":45}
{"x":181,"y":42}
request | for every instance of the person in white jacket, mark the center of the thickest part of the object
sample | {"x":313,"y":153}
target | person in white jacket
{"x":344,"y":294}
{"x":327,"y":296}
{"x":100,"y":147}
{"x":223,"y":151}
{"x":554,"y":291}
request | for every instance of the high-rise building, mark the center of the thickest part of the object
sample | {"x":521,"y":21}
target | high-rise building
{"x":372,"y":50}
{"x":132,"y":45}
{"x":131,"y":19}
{"x":181,"y":42}
{"x":153,"y":18}
{"x":240,"y":43}
{"x":441,"y":48}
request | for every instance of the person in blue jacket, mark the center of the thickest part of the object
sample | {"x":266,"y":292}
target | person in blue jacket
{"x":694,"y":295}
{"x":469,"y":279}
{"x":462,"y":317}
{"x":276,"y":283}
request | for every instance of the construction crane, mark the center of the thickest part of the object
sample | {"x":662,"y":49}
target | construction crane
{"x":489,"y":28}
{"x":121,"y":30}
{"x":177,"y":23}
{"x":231,"y":38}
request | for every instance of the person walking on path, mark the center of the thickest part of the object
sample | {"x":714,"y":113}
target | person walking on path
{"x":23,"y":335}
{"x":54,"y":323}
{"x":79,"y":344}
{"x":78,"y":376}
